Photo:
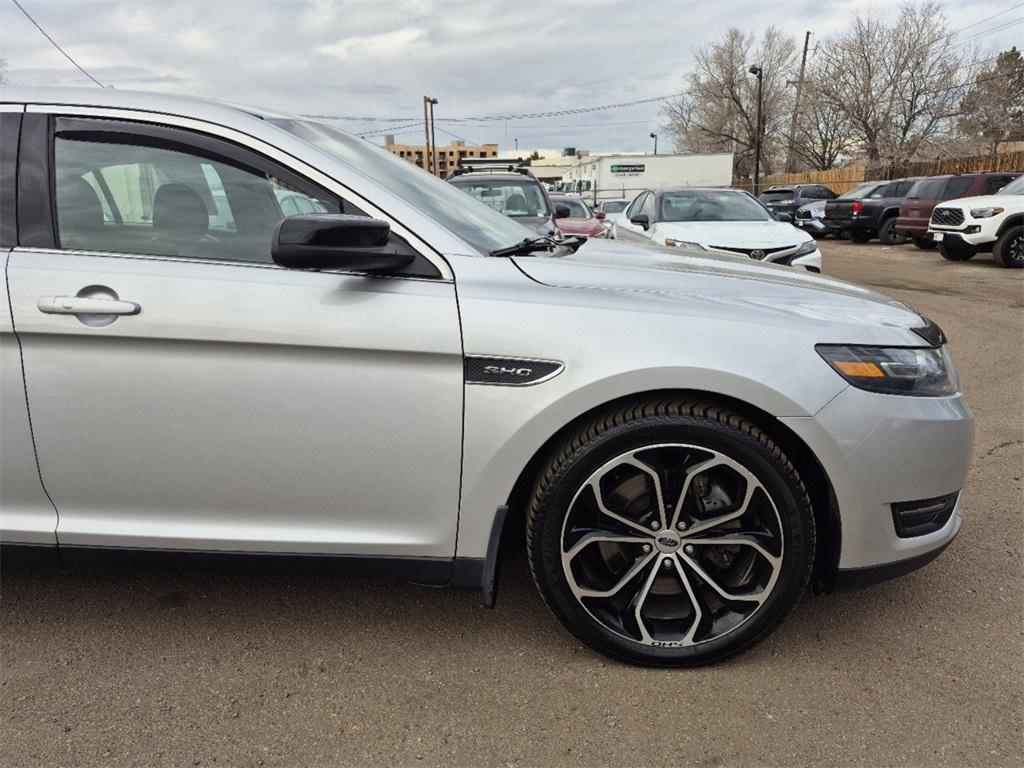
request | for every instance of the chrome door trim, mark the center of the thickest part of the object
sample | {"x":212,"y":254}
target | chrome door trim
{"x":263,"y":148}
{"x":216,"y":262}
{"x":12,"y":107}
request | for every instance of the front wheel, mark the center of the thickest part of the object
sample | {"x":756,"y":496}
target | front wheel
{"x":1009,"y":248}
{"x":924,"y":243}
{"x":670,"y":533}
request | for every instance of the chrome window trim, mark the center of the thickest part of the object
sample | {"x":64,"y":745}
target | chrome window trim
{"x":12,"y":107}
{"x":215,"y":262}
{"x":267,"y":150}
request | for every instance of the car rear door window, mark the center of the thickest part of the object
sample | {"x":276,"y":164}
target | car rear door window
{"x":958,"y":186}
{"x":994,"y":183}
{"x":143,"y":199}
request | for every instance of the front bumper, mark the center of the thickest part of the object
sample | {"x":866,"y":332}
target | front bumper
{"x":817,"y":226}
{"x":980,"y":241}
{"x":879,"y":450}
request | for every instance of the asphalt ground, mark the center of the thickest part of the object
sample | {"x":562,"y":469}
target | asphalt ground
{"x":150,"y":669}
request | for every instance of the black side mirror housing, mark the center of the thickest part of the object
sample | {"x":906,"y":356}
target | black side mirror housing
{"x":784,"y":217}
{"x":641,"y":220}
{"x":336,"y":241}
{"x":562,"y":211}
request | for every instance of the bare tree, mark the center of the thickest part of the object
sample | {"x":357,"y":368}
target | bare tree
{"x":898,"y":84}
{"x":993,"y":109}
{"x":823,"y":134}
{"x":718,"y":110}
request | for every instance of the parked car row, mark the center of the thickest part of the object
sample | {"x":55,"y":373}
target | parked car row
{"x":962,"y":214}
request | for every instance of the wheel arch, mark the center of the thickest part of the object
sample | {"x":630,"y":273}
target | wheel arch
{"x":1014,"y":220}
{"x":813,"y":474}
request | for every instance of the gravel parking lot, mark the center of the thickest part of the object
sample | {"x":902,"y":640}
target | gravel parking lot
{"x":185,"y":669}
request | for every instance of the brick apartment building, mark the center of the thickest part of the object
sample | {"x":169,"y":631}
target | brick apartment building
{"x":447,"y":157}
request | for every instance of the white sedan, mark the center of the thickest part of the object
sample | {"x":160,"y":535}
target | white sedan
{"x":726,"y":221}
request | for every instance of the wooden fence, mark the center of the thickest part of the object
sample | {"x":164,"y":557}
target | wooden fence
{"x":841,"y":180}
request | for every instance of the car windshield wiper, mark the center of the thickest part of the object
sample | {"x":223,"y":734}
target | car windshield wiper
{"x":529,"y":245}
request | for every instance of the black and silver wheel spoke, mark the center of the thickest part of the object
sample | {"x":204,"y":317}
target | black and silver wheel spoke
{"x":672,"y":545}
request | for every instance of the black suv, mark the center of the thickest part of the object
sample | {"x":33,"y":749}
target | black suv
{"x":510,"y":189}
{"x":788,"y":198}
{"x":869,"y":210}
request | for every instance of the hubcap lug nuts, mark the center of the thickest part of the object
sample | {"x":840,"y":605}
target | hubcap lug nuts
{"x":681,"y":525}
{"x":688,"y":549}
{"x":646,"y":549}
{"x":666,"y":563}
{"x":655,"y":525}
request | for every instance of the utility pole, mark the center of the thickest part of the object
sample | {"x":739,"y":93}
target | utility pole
{"x":790,"y":158}
{"x":756,"y":70}
{"x":655,"y":137}
{"x":426,"y":132}
{"x":433,"y":139}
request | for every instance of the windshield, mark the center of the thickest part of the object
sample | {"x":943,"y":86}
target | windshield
{"x":614,"y":206}
{"x":518,"y":198}
{"x":577,"y":208}
{"x":1015,"y":187}
{"x":711,"y":205}
{"x":777,"y":194}
{"x":478,"y":225}
{"x":862,"y":191}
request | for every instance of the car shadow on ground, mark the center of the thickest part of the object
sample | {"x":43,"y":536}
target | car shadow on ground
{"x":284,"y":609}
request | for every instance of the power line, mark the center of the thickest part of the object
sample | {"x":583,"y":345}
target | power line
{"x":499,"y":118}
{"x":53,"y":42}
{"x":991,"y":31}
{"x":988,"y":18}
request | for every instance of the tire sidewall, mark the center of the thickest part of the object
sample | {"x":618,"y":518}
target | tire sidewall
{"x":1003,"y":245}
{"x":785,"y":490}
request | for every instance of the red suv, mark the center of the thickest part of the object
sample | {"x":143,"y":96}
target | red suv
{"x":926,"y":193}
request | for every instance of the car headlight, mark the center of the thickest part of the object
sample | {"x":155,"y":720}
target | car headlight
{"x":985,"y":213}
{"x":809,"y":247}
{"x":924,"y":372}
{"x":684,"y":244}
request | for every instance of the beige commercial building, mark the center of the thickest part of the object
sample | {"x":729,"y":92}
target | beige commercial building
{"x":447,"y":156}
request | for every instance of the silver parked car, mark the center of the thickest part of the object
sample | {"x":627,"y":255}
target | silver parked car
{"x":382,"y":384}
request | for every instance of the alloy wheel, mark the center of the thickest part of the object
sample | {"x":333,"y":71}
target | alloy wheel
{"x":672,"y":545}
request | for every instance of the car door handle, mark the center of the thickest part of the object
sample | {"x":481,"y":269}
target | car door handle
{"x":80,"y":305}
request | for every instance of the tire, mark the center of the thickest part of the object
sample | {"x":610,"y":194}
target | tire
{"x":888,"y":235}
{"x":956,"y":252}
{"x":859,"y":236}
{"x":1009,"y":248}
{"x":722,"y":466}
{"x":924,"y":244}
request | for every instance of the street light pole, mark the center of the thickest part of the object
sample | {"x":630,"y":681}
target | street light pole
{"x":433,"y":139}
{"x":655,"y":137}
{"x":426,"y":135}
{"x":756,"y":70}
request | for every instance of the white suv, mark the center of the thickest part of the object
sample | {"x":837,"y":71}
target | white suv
{"x":993,"y":223}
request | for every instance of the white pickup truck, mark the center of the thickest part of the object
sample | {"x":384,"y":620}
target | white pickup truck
{"x":995,"y":223}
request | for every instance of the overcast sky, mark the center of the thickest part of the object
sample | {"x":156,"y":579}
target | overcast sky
{"x":378,"y":59}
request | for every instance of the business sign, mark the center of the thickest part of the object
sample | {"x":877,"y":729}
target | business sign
{"x":630,"y":169}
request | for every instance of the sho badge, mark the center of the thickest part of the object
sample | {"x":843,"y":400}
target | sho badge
{"x":509,"y":371}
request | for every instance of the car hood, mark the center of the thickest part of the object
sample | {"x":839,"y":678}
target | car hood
{"x":984,"y":201}
{"x":733,"y":234}
{"x":669,"y":280}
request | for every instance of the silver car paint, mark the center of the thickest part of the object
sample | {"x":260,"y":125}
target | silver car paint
{"x":620,"y":324}
{"x":26,"y":515}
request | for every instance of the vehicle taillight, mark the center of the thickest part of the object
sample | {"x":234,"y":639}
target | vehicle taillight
{"x":858,"y":207}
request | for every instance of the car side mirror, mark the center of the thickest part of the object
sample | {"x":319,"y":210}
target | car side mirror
{"x":641,"y":220}
{"x":784,"y":217}
{"x":562,"y":211}
{"x":336,"y":241}
{"x":599,"y":214}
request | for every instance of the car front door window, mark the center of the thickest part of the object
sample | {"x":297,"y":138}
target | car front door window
{"x":137,"y":198}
